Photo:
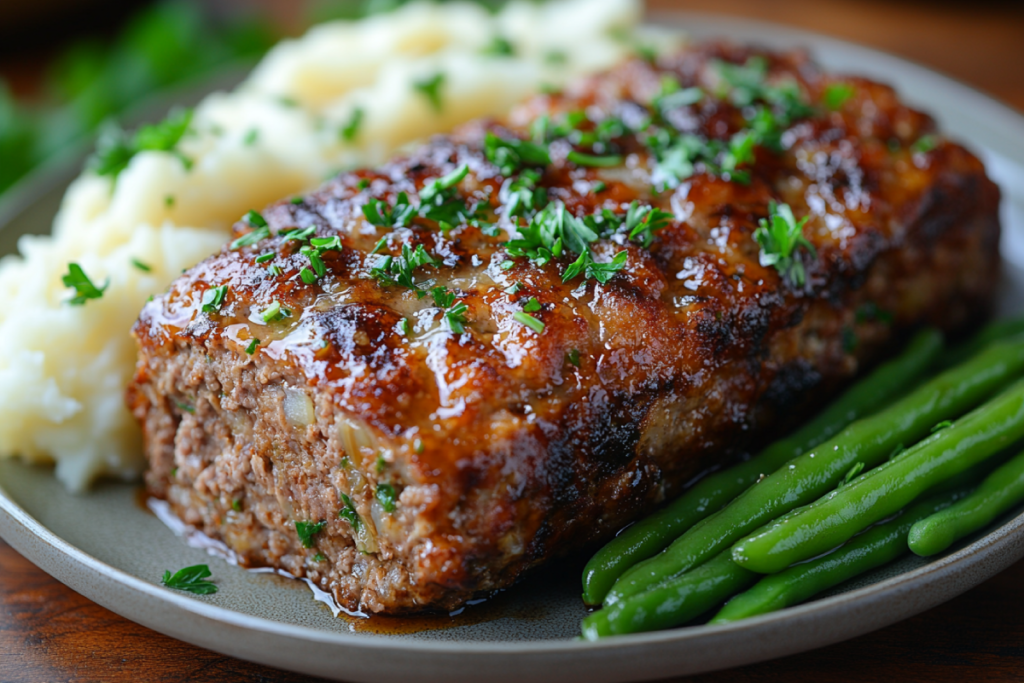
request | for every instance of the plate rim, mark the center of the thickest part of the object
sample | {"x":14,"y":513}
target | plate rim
{"x":979,"y":559}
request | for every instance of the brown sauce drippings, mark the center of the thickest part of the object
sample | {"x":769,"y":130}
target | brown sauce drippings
{"x":506,"y":604}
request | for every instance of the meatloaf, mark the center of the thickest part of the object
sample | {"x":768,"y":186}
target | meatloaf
{"x":420,"y":381}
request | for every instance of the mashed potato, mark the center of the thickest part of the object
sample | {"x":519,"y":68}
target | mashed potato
{"x":63,"y":368}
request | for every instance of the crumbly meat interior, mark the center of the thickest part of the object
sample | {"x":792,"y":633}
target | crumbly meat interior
{"x":366,"y":443}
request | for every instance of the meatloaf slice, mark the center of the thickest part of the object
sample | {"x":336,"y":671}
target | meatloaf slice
{"x":419,"y":410}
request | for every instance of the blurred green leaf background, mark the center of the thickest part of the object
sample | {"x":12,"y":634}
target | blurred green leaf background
{"x":171,"y":42}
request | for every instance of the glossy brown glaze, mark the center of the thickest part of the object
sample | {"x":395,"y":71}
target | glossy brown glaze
{"x":503,"y":451}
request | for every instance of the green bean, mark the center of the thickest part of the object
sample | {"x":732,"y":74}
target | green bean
{"x":674,"y":602}
{"x":873,"y":548}
{"x":991,"y":333}
{"x":649,"y":536}
{"x":807,"y":477}
{"x":835,"y":518}
{"x":1000,"y":491}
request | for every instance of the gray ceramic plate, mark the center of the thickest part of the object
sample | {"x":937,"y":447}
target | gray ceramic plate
{"x":107,"y":547}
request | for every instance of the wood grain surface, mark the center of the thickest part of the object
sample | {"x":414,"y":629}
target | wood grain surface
{"x":49,"y":633}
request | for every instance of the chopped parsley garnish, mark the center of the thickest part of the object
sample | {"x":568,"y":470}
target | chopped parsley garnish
{"x":274,"y":271}
{"x":780,"y":235}
{"x":386,"y":496}
{"x":319,"y":557}
{"x":532,"y":305}
{"x":406,"y":327}
{"x":511,"y":154}
{"x":351,"y":128}
{"x":141,"y":266}
{"x":550,"y":230}
{"x":236,"y":504}
{"x":417,"y":446}
{"x":925,"y":143}
{"x":513,"y":288}
{"x":213,"y":298}
{"x":499,"y":47}
{"x":319,"y":269}
{"x":521,"y":196}
{"x":393,"y":271}
{"x":431,"y":89}
{"x":508,"y":265}
{"x":378,"y":212}
{"x":349,"y":512}
{"x":528,"y":320}
{"x":297,"y":235}
{"x":191,"y":580}
{"x":297,"y":200}
{"x":441,"y":186}
{"x":836,"y":95}
{"x":323,"y":244}
{"x":253,"y":345}
{"x":262,"y":231}
{"x":115,"y":148}
{"x":581,"y":159}
{"x":556,"y":57}
{"x":643,"y":221}
{"x":255,"y":219}
{"x":308,"y":276}
{"x":574,"y":357}
{"x":307,"y":530}
{"x":455,"y":313}
{"x":598,"y":187}
{"x":274,"y":312}
{"x":83,"y":286}
{"x":251,"y":137}
{"x":591,"y":269}
{"x":381,"y":464}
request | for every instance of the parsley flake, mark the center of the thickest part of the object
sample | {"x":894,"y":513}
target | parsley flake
{"x":83,"y":286}
{"x":431,"y":89}
{"x":351,"y":127}
{"x":392,"y":271}
{"x":499,"y":47}
{"x":253,"y":345}
{"x":307,"y":530}
{"x":511,"y":154}
{"x":836,"y":95}
{"x":532,"y":305}
{"x":386,"y":496}
{"x":115,"y":149}
{"x":780,"y":235}
{"x":606,"y":161}
{"x":141,"y":266}
{"x":191,"y":580}
{"x":528,"y":320}
{"x":349,"y":512}
{"x":591,"y":269}
{"x":274,"y":312}
{"x":213,"y":298}
{"x":574,"y":357}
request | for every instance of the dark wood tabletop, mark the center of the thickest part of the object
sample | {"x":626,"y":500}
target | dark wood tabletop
{"x":49,"y":633}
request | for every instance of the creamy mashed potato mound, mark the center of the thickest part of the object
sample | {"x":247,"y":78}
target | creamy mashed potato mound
{"x":63,"y":368}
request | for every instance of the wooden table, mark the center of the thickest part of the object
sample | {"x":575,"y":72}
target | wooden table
{"x":50,"y":633}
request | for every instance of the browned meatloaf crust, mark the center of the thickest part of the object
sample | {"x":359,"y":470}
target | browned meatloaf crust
{"x":505,"y":446}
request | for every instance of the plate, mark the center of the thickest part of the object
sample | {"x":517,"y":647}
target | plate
{"x":109,"y":547}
